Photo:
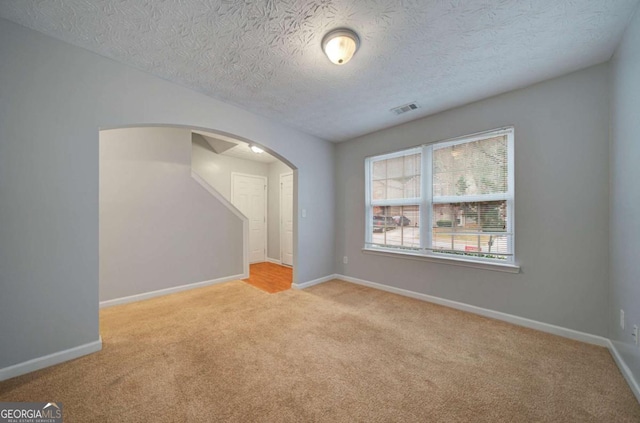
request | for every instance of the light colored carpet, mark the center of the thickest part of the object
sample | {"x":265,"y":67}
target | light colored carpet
{"x":336,"y":352}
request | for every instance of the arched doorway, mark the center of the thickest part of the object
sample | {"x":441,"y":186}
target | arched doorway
{"x":160,"y":231}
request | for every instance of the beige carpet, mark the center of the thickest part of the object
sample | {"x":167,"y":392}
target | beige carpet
{"x":336,"y":352}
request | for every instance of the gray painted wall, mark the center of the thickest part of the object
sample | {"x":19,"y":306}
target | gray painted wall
{"x":158,"y":227}
{"x":624,"y":226}
{"x":275,"y":170}
{"x":54,"y":97}
{"x":561,"y":204}
{"x":216,"y":169}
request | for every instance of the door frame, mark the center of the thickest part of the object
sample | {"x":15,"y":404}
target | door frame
{"x":292,"y":216}
{"x":266,"y":210}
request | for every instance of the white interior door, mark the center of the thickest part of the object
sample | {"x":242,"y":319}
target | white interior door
{"x":286,"y":218}
{"x":249,"y":195}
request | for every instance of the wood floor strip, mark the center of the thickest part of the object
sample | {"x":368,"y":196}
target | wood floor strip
{"x":270,"y":277}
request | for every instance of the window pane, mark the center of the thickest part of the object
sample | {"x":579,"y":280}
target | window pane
{"x":395,"y":167}
{"x":396,"y":178}
{"x":412,"y":165}
{"x":379,"y":170}
{"x":473,"y":168}
{"x":473,"y":229}
{"x":379,"y":190}
{"x":397,"y":226}
{"x":412,"y":188}
{"x":395,"y":188}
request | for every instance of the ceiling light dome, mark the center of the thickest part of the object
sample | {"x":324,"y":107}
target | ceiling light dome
{"x":340,"y":45}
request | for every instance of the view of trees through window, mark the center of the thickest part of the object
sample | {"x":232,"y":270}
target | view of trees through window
{"x":463,"y":173}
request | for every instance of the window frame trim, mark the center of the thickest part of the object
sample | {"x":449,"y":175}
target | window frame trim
{"x":449,"y":260}
{"x":426,"y":202}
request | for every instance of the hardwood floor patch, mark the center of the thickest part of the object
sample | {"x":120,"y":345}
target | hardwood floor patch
{"x":270,"y":277}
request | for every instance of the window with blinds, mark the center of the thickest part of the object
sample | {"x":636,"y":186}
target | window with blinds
{"x":462,"y":190}
{"x":396,"y":194}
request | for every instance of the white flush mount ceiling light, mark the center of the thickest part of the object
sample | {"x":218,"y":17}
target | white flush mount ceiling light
{"x":340,"y":45}
{"x":256,"y":149}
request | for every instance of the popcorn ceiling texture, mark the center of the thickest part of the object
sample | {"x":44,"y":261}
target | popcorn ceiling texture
{"x":265,"y":56}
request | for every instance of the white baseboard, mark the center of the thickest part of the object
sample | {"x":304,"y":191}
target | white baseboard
{"x":516,"y":320}
{"x":304,"y":285}
{"x":167,"y":291}
{"x":624,"y":369}
{"x":274,"y":261}
{"x":50,"y":360}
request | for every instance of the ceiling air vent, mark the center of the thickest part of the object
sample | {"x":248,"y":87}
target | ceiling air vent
{"x":404,"y":109}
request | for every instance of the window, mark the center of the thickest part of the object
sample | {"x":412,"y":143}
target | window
{"x":449,"y":199}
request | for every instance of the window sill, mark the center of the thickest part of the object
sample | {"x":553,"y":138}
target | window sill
{"x":486,"y":265}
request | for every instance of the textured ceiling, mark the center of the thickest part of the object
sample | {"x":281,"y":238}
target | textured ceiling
{"x":265,"y":56}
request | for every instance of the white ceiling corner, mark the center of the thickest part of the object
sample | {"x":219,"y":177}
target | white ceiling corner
{"x":228,"y":146}
{"x":219,"y":146}
{"x":265,"y":56}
